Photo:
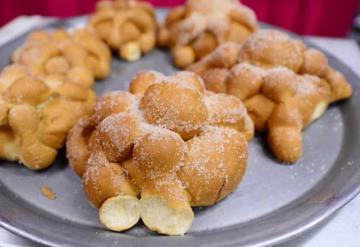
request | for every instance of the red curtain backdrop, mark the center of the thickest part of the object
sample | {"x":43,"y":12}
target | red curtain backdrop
{"x":312,"y":17}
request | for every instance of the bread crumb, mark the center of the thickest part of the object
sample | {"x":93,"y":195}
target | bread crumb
{"x":48,"y":193}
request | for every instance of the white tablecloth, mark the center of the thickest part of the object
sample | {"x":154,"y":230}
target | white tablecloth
{"x":342,"y":229}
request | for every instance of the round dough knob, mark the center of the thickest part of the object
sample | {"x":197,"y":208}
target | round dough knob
{"x":118,"y":133}
{"x":159,"y":151}
{"x":176,"y":107}
{"x":214,"y":165}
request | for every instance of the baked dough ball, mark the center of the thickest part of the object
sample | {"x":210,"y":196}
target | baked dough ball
{"x":138,"y":154}
{"x":78,"y":56}
{"x":283,"y":84}
{"x":127,"y":26}
{"x":167,"y":104}
{"x":194,"y":30}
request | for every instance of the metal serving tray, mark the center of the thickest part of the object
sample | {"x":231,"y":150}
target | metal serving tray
{"x":274,"y":203}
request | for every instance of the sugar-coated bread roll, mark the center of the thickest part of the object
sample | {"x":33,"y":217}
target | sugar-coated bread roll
{"x":155,"y":153}
{"x":50,"y":84}
{"x":196,"y":29}
{"x":127,"y":26}
{"x":278,"y":78}
{"x":36,"y":113}
{"x":78,"y":56}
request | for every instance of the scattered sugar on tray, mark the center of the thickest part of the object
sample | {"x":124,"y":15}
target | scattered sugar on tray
{"x":322,"y":168}
{"x":48,"y":192}
{"x":338,"y":123}
{"x":350,"y":163}
{"x":292,"y":177}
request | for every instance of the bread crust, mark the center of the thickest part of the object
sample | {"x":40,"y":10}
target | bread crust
{"x":139,"y":147}
{"x":194,"y":30}
{"x":127,"y":26}
{"x":284,"y":85}
{"x":46,"y":91}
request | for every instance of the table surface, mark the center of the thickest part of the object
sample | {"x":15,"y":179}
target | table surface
{"x":342,"y":229}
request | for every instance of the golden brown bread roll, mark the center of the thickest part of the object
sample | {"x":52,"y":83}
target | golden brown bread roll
{"x":127,"y":26}
{"x":194,"y":30}
{"x":36,"y":115}
{"x":138,"y":153}
{"x":284,"y":85}
{"x":79,"y":56}
{"x":45,"y":92}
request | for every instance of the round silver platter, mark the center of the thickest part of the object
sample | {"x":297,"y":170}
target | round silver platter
{"x":274,"y":203}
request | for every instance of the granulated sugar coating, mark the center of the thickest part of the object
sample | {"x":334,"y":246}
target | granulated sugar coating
{"x":231,"y":112}
{"x":194,"y":30}
{"x":284,"y":85}
{"x":179,"y":108}
{"x":172,"y":142}
{"x":211,"y":158}
{"x":270,"y":48}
